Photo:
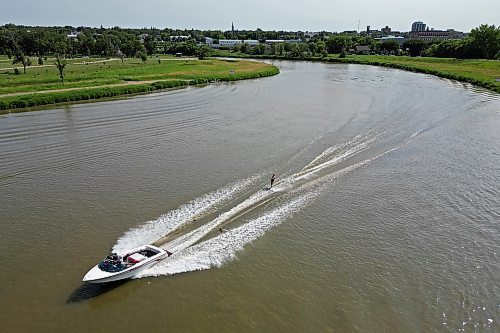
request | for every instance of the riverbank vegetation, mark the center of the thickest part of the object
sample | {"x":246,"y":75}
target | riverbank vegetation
{"x":45,"y":65}
{"x":471,"y":59}
{"x":483,"y":73}
{"x":112,"y":77}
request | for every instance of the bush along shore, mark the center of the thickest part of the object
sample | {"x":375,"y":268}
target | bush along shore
{"x":19,"y":101}
{"x":478,"y":72}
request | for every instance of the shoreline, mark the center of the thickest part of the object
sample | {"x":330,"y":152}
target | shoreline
{"x":422,"y":69}
{"x":30,"y":101}
{"x":40,"y":100}
{"x":416,"y":68}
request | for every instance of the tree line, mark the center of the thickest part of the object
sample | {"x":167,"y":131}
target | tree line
{"x":482,"y":42}
{"x":44,"y":41}
{"x":22,"y":42}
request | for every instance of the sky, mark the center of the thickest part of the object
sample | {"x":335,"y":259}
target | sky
{"x":291,"y":15}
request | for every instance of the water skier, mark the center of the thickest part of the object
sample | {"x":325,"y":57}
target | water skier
{"x":273,"y":177}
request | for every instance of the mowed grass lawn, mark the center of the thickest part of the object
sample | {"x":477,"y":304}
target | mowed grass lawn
{"x":476,"y":69}
{"x":99,"y":72}
{"x":97,"y":78}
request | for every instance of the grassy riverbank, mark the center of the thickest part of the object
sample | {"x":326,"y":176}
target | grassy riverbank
{"x":483,"y":73}
{"x":88,"y":79}
{"x":479,"y":72}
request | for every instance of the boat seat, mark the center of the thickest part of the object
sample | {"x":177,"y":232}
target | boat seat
{"x":136,"y":257}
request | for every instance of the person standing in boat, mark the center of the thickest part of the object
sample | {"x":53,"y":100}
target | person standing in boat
{"x":273,"y":177}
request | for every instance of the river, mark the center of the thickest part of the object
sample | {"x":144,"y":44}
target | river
{"x":384,"y":216}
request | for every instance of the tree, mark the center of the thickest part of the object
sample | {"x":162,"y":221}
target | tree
{"x":61,"y":64}
{"x":142,"y":56}
{"x":321,"y":48}
{"x":338,"y":44}
{"x":245,"y":48}
{"x":120,"y":55}
{"x":303,"y":49}
{"x":85,"y":44}
{"x":259,"y":49}
{"x":280,"y":48}
{"x":295,"y":51}
{"x":389,"y":46}
{"x":19,"y":57}
{"x":61,"y":45}
{"x":204,"y":51}
{"x":482,"y":42}
{"x":312,"y":47}
{"x":450,"y":49}
{"x":415,"y":47}
{"x":485,"y":40}
{"x":150,"y":45}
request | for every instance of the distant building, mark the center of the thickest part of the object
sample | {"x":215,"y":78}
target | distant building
{"x":418,"y":26}
{"x":180,"y":38}
{"x":362,"y":49}
{"x":293,"y":41}
{"x":310,"y":34}
{"x":398,"y":39}
{"x":275,"y":41}
{"x":281,"y":41}
{"x":229,"y":43}
{"x":74,"y":34}
{"x":386,"y":31}
{"x":420,"y":30}
{"x":432,"y":34}
{"x":350,"y":32}
{"x":370,"y":31}
{"x":251,"y":42}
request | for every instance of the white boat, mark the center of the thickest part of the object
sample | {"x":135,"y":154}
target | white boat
{"x":127,"y":265}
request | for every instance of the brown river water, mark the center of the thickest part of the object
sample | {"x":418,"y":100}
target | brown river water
{"x":384,"y":217}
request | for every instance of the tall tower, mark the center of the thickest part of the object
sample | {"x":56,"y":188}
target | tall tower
{"x":232,"y":26}
{"x":418,"y":26}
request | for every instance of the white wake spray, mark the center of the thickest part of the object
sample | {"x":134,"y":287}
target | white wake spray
{"x":153,"y":230}
{"x":221,"y":249}
{"x":290,"y":194}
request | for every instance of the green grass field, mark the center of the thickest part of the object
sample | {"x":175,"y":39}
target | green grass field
{"x":98,"y":78}
{"x":484,"y":73}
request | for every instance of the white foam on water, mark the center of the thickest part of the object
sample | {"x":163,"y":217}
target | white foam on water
{"x":216,"y":251}
{"x":154,"y":230}
{"x":195,"y":235}
{"x":340,"y":156}
{"x":330,"y":151}
{"x":294,"y":193}
{"x":416,"y":133}
{"x":221,"y":249}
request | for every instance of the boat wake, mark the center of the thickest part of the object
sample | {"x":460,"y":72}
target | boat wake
{"x":193,"y":247}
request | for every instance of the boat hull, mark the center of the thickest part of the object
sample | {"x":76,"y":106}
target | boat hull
{"x":97,"y":275}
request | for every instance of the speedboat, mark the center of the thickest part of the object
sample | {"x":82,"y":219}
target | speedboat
{"x":126,"y":265}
